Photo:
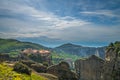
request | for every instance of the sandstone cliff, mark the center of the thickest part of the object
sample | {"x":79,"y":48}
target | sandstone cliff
{"x":90,"y":68}
{"x":111,"y":69}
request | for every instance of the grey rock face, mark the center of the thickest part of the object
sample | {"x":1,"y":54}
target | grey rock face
{"x":111,"y":69}
{"x":90,"y":68}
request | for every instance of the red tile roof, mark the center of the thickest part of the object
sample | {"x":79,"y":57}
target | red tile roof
{"x":28,"y":51}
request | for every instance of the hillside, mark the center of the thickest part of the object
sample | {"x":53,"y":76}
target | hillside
{"x":7,"y":73}
{"x":8,"y":45}
{"x":59,"y":53}
{"x":59,"y":56}
{"x":80,"y":50}
{"x":13,"y":47}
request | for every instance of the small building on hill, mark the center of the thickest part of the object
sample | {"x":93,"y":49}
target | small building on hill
{"x":44,"y":55}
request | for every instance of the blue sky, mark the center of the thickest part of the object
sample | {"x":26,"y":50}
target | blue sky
{"x":54,"y":22}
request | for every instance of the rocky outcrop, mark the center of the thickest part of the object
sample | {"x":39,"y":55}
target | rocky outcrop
{"x":89,"y":68}
{"x":41,"y":56}
{"x":111,"y":69}
{"x":38,"y":67}
{"x":62,"y":71}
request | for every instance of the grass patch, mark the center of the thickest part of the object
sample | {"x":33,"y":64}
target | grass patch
{"x":7,"y":73}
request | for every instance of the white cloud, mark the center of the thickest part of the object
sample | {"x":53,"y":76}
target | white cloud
{"x":43,"y":23}
{"x":89,"y":32}
{"x":108,"y":13}
{"x":39,"y":18}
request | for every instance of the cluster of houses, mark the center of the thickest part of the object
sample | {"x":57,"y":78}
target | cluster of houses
{"x":45,"y":54}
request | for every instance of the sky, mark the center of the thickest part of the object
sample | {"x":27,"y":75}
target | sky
{"x":54,"y":22}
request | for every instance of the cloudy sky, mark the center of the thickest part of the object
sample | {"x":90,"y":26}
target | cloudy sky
{"x":54,"y":22}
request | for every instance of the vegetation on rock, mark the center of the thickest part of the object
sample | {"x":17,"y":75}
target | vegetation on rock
{"x":35,"y":57}
{"x":21,"y":68}
{"x":39,"y":68}
{"x":111,"y":69}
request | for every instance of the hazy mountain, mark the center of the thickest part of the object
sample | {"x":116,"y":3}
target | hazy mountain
{"x":80,"y":50}
{"x":43,"y":40}
{"x":8,"y":45}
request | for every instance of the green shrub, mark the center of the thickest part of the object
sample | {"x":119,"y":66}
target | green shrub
{"x":35,"y":57}
{"x":28,"y":62}
{"x":21,"y":68}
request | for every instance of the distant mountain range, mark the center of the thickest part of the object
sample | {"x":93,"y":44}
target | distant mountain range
{"x":80,"y":50}
{"x":7,"y":45}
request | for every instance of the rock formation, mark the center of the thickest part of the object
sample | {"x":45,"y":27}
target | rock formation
{"x":42,"y":56}
{"x":89,"y":68}
{"x":111,"y":69}
{"x":62,"y":71}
